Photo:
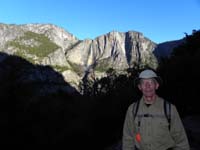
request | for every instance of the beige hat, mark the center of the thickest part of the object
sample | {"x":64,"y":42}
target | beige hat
{"x":148,"y":74}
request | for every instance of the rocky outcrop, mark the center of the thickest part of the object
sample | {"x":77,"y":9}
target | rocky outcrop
{"x":114,"y":50}
{"x":47,"y":44}
{"x":57,"y":58}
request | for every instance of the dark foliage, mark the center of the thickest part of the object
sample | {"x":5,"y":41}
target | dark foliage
{"x":181,"y":74}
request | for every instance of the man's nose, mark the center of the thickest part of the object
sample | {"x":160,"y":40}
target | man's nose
{"x":147,"y":84}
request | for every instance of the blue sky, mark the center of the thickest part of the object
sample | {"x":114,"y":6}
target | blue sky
{"x":158,"y":20}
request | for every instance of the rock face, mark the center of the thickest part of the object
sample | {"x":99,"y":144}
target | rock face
{"x":47,"y":44}
{"x":114,"y":50}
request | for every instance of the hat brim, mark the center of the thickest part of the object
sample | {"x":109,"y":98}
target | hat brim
{"x":158,"y":79}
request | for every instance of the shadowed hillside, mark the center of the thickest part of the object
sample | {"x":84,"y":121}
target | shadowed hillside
{"x":32,"y":97}
{"x":39,"y":107}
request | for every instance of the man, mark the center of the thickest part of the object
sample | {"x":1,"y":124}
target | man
{"x":150,"y":129}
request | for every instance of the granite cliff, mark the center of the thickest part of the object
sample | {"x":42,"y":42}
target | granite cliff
{"x":50,"y":45}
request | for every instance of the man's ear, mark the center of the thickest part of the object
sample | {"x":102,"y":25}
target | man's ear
{"x":157,"y":85}
{"x":139,"y":86}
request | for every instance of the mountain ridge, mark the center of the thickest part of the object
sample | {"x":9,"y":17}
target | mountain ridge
{"x":48,"y":44}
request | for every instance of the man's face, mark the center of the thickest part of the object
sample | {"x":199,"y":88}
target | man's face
{"x":148,"y":87}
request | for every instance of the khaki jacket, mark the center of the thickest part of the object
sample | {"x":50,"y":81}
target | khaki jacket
{"x":153,"y":130}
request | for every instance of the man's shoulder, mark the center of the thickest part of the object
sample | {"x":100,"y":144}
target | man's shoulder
{"x":135,"y":102}
{"x":164,"y":100}
{"x":130,"y":107}
{"x":167,"y":101}
{"x":167,"y":104}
